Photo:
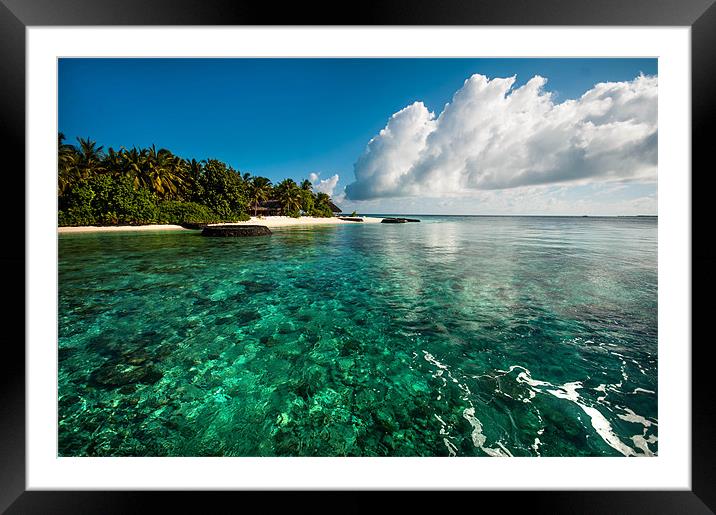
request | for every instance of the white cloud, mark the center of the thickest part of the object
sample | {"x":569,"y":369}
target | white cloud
{"x":323,"y":185}
{"x":493,"y":137}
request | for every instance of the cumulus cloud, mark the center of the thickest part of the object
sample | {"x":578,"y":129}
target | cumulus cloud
{"x":323,"y":185}
{"x":492,"y":136}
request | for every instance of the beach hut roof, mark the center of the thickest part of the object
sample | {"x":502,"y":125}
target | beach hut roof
{"x":335,"y":208}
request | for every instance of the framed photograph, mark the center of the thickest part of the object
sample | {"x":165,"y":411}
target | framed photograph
{"x":423,"y":247}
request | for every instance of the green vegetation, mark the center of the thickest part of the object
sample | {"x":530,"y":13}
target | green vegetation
{"x":259,"y":190}
{"x":153,"y":186}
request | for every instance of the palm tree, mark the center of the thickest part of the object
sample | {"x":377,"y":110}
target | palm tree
{"x":192,"y":171}
{"x":259,"y":191}
{"x":90,"y":157}
{"x":114,"y":161}
{"x":289,"y":195}
{"x":307,"y":198}
{"x":323,"y":204}
{"x":132,"y":165}
{"x":322,"y":198}
{"x":161,"y":171}
{"x":194,"y":168}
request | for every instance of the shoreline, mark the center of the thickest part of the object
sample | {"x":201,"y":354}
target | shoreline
{"x":270,"y":221}
{"x":121,"y":228}
{"x":287,"y":221}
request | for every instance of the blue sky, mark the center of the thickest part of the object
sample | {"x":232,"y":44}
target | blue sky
{"x":285,"y":117}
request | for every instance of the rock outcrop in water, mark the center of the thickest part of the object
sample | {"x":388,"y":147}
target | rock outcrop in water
{"x":192,"y":225}
{"x":391,"y":220}
{"x":236,"y":230}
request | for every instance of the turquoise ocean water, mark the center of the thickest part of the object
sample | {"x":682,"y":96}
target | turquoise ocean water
{"x":466,"y":336}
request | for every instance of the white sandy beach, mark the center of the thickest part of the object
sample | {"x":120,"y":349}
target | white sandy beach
{"x":121,"y":228}
{"x":269,"y":221}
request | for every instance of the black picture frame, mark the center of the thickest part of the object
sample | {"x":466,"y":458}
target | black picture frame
{"x":17,"y":15}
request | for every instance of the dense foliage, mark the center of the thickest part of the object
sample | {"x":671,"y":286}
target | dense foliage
{"x":149,"y":185}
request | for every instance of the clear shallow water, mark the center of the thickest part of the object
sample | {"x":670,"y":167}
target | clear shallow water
{"x":467,"y":336}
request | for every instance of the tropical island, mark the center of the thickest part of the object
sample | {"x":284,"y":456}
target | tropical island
{"x":150,"y":186}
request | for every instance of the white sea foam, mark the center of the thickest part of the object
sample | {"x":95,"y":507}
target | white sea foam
{"x":599,"y":422}
{"x":633,"y":417}
{"x":479,"y":439}
{"x":535,"y":446}
{"x":568,"y":391}
{"x":525,"y":377}
{"x":602,"y":426}
{"x":642,"y":443}
{"x":431,"y":359}
{"x":601,"y":388}
{"x":504,"y":449}
{"x":452,"y":450}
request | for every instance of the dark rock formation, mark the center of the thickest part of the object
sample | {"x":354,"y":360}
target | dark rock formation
{"x":192,"y":225}
{"x":236,"y":230}
{"x":391,"y":220}
{"x":350,"y":218}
